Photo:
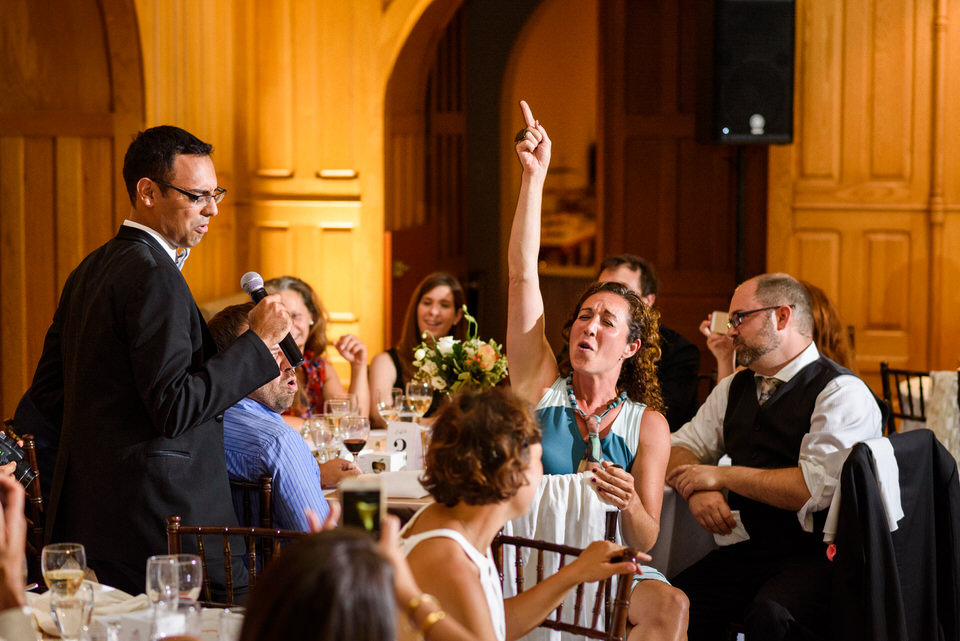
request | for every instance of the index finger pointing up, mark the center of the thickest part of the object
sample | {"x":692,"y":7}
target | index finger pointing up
{"x":527,"y":114}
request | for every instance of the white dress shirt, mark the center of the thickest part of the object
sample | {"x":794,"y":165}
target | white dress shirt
{"x":170,"y":249}
{"x":844,"y":414}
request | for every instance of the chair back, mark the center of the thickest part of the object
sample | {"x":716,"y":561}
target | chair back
{"x":262,"y":489}
{"x":906,"y":386}
{"x":35,"y":516}
{"x":607,"y":617}
{"x":262,"y":544}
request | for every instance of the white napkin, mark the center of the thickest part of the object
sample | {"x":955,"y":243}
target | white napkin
{"x":404,"y":484}
{"x":106,"y":601}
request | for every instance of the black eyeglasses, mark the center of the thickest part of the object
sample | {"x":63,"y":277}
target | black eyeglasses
{"x":198,"y":199}
{"x":736,"y":318}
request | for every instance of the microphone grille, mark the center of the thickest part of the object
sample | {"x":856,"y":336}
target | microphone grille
{"x":251,"y":282}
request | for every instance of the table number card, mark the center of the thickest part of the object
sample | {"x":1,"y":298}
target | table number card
{"x":405,"y":437}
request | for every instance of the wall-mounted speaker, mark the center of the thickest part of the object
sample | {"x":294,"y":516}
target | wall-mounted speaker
{"x":745,"y":71}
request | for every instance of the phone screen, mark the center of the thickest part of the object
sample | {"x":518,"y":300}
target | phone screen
{"x":361,"y":509}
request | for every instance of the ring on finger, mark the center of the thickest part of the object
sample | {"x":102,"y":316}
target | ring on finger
{"x":520,"y":135}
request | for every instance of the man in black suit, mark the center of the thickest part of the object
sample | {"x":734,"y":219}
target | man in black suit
{"x":130,"y":381}
{"x":679,"y":362}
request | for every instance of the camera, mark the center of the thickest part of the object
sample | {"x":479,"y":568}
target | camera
{"x":10,"y":451}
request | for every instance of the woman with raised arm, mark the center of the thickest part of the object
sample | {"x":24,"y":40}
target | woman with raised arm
{"x":599,"y":408}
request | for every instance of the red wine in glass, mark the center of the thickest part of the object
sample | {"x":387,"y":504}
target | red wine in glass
{"x":354,"y":444}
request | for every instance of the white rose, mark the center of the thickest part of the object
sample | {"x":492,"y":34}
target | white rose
{"x":419,"y":354}
{"x":445,"y":345}
{"x":429,"y":367}
{"x":438,"y":383}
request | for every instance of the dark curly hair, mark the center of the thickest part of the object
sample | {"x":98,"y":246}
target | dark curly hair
{"x":480,"y":448}
{"x":638,"y":374}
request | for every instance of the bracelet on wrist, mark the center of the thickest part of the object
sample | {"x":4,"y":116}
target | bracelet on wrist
{"x":430,"y":620}
{"x":419,"y":600}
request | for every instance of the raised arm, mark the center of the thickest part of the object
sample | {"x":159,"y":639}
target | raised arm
{"x":533,"y":367}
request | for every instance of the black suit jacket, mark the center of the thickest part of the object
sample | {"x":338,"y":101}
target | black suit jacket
{"x":677,"y":370}
{"x":130,"y":374}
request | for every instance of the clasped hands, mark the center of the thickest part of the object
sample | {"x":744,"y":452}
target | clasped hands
{"x":700,"y":486}
{"x":616,"y":485}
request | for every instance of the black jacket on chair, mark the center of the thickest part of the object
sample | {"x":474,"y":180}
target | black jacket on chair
{"x":901,"y":585}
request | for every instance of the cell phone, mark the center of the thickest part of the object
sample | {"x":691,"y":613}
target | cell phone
{"x":363,"y":502}
{"x":718,"y":322}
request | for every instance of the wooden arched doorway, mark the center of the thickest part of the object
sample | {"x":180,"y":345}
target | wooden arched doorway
{"x":72,"y":99}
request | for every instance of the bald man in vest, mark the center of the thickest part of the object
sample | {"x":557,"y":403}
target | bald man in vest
{"x":787,"y":422}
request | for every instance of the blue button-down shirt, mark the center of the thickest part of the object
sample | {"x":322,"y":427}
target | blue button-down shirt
{"x":257,"y":442}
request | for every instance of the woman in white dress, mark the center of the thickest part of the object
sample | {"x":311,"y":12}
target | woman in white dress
{"x":483,"y":468}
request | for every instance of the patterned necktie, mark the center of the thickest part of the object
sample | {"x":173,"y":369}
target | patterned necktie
{"x":768,"y":385}
{"x":182,"y":257}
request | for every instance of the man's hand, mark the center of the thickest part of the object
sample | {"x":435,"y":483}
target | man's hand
{"x":687,"y":479}
{"x":270,"y":320}
{"x":334,"y":470}
{"x":712,"y":512}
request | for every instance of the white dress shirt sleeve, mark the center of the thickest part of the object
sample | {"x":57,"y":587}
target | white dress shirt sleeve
{"x":845,"y":413}
{"x":703,"y":435}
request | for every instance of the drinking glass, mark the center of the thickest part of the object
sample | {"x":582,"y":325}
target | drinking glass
{"x":419,"y":397}
{"x":353,"y":404}
{"x":355,"y":430}
{"x":176,"y":620}
{"x":163,"y":579}
{"x":327,"y":440}
{"x":63,"y":566}
{"x":335,"y":409}
{"x":71,"y":611}
{"x":231,"y":622}
{"x":389,"y":403}
{"x":190,"y":577}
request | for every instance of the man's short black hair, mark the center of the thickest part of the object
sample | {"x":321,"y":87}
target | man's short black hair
{"x":227,"y":324}
{"x":648,"y":273}
{"x":152,"y":152}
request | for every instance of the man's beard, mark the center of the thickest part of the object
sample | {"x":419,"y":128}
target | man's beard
{"x":766,"y":339}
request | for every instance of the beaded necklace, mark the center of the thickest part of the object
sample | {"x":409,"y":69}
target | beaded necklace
{"x":592,"y":453}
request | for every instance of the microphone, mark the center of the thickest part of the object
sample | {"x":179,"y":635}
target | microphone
{"x":252,"y":283}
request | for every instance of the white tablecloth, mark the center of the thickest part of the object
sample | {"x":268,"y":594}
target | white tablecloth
{"x":682,"y":542}
{"x":943,"y":414}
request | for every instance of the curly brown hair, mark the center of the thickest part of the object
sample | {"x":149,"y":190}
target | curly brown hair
{"x":316,"y":342}
{"x":480,"y":448}
{"x":638,"y":374}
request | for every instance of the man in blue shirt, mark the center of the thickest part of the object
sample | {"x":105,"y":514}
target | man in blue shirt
{"x":257,"y":441}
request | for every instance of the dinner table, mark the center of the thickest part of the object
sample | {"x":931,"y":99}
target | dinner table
{"x":941,"y":409}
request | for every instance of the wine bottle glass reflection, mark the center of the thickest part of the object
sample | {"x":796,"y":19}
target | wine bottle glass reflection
{"x":63,"y":566}
{"x":419,"y":397}
{"x":389,"y":402}
{"x":355,"y":430}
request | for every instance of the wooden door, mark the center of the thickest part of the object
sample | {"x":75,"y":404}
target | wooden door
{"x":663,"y":195}
{"x":425,"y":175}
{"x":72,"y":99}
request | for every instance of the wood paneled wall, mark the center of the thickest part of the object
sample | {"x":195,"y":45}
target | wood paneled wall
{"x":72,"y":97}
{"x":865,"y":203}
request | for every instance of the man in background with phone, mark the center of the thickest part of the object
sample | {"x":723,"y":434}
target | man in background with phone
{"x":679,"y":363}
{"x":257,"y":441}
{"x":787,"y":422}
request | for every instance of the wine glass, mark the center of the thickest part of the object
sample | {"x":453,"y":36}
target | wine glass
{"x":355,"y":430}
{"x":352,"y":402}
{"x":163,"y":579}
{"x":231,"y":622}
{"x":71,"y":611}
{"x":389,"y":402}
{"x":63,"y":566}
{"x":325,"y":440}
{"x":419,"y":397}
{"x":335,"y":409}
{"x":191,"y":576}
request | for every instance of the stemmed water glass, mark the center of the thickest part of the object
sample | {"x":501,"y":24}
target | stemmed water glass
{"x":327,"y":439}
{"x":389,"y":402}
{"x":71,"y":611}
{"x":163,"y":580}
{"x":63,"y":566}
{"x":419,"y":397}
{"x":355,"y":431}
{"x":334,"y":409}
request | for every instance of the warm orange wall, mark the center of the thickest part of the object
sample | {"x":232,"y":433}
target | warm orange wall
{"x":865,"y":202}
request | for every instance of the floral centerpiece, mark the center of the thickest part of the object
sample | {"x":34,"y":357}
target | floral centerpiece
{"x":448,"y":364}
